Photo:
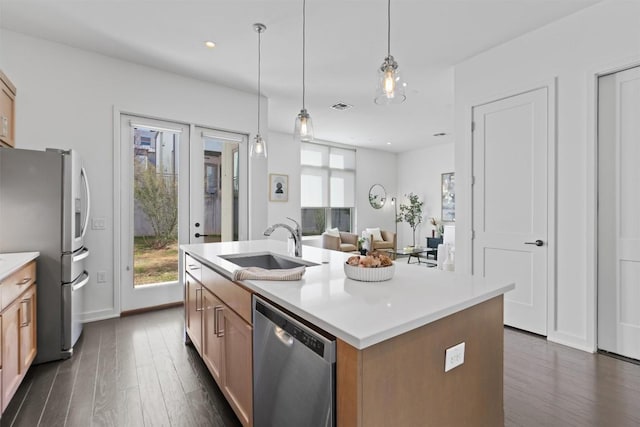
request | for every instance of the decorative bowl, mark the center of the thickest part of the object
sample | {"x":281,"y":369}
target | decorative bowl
{"x":369,"y":274}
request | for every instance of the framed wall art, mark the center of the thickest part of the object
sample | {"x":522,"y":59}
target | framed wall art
{"x":448,"y":197}
{"x":278,"y":187}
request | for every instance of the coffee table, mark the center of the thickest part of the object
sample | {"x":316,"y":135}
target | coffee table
{"x":413,"y":253}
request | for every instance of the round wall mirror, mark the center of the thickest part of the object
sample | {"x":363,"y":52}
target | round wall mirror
{"x":377,"y":196}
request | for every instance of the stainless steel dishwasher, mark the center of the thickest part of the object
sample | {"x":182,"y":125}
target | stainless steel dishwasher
{"x":293,"y":371}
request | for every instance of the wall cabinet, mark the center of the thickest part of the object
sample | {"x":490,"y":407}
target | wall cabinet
{"x":18,"y":319}
{"x":218,"y":322}
{"x":7,"y":111}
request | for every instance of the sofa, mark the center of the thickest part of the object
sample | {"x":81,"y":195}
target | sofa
{"x":343,"y":241}
{"x":387,"y":241}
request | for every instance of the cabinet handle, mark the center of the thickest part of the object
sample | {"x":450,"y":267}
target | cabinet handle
{"x":193,"y":267}
{"x":27,"y":310}
{"x":24,"y":281}
{"x":199,"y":309}
{"x":216,"y":321}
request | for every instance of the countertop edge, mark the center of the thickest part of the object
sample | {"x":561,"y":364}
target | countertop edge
{"x":15,"y":261}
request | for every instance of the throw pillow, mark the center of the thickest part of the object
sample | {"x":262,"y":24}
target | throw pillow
{"x":375,"y":232}
{"x":333,"y":232}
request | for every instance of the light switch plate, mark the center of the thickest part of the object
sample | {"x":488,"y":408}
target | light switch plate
{"x":454,"y":356}
{"x":98,"y":224}
{"x":101,"y":276}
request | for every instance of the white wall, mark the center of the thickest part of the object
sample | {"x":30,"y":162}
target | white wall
{"x":419,"y":172}
{"x":66,"y":99}
{"x":283,"y":157}
{"x":571,"y":51}
{"x":375,"y":167}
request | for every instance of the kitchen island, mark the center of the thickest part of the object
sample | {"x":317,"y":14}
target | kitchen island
{"x":391,"y":336}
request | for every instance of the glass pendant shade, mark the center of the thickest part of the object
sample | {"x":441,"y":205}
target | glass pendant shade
{"x":258,"y":148}
{"x":390,"y":88}
{"x":303,"y":131}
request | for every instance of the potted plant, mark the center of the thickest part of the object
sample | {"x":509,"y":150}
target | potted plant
{"x":361,"y":248}
{"x":411,"y":213}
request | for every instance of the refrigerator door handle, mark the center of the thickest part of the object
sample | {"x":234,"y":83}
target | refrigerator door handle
{"x":82,"y":283}
{"x":83,"y":174}
{"x":82,"y":255}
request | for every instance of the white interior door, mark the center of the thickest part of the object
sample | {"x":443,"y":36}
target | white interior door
{"x":619,"y":213}
{"x":154,"y":191}
{"x":510,"y":147}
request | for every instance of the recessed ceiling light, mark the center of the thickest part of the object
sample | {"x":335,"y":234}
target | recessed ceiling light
{"x":388,"y":143}
{"x":210,"y":44}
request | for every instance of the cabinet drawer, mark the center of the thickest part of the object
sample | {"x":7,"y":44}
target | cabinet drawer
{"x":17,"y":283}
{"x":233,"y":295}
{"x":193,"y":267}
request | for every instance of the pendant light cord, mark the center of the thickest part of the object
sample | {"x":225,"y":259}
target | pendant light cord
{"x":304,"y":42}
{"x":259,"y":61}
{"x":389,"y":28}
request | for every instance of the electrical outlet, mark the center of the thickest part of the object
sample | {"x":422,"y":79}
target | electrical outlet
{"x":454,"y":356}
{"x":101,"y":276}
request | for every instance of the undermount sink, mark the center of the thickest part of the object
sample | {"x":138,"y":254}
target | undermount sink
{"x":266,"y":260}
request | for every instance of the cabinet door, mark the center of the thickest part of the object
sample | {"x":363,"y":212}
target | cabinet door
{"x":27,"y":329}
{"x":212,"y":334}
{"x":10,"y":352}
{"x":7,"y":111}
{"x":193,"y":308}
{"x":238,"y":376}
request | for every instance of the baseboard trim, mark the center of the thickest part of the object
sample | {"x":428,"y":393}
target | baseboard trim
{"x":154,"y":308}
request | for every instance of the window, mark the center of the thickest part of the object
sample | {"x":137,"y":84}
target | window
{"x":327,"y":186}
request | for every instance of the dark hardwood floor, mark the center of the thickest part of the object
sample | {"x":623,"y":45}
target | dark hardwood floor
{"x":132,"y":371}
{"x":136,"y":371}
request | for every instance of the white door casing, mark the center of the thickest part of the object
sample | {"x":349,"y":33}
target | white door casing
{"x":510,"y":206}
{"x":618,"y":245}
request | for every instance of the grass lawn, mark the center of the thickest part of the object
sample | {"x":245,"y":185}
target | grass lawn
{"x":154,"y":265}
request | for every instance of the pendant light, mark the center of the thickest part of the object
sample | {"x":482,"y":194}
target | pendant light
{"x":390,"y":88}
{"x":303,"y":130}
{"x":258,"y":147}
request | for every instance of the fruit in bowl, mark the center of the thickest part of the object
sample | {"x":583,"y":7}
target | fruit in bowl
{"x":375,"y":267}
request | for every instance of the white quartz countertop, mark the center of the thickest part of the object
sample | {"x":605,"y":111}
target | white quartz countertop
{"x":359,"y":313}
{"x":11,"y":262}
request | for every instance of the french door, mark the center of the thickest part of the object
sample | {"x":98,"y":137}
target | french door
{"x":179,"y":184}
{"x":218,"y":162}
{"x":154,"y":210}
{"x":510,"y":202}
{"x":618,"y":213}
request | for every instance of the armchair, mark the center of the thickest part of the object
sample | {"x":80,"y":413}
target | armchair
{"x":345,"y":242}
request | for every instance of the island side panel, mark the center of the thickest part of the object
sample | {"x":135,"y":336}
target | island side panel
{"x":402,"y":380}
{"x":348,"y":385}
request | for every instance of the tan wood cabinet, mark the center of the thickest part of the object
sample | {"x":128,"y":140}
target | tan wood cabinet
{"x":19,"y":333}
{"x":7,"y":111}
{"x":212,"y":339}
{"x":218,"y":322}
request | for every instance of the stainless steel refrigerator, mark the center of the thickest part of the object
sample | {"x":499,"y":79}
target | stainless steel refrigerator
{"x":44,"y":206}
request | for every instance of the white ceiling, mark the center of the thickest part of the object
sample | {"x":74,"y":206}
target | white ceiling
{"x":346,"y":43}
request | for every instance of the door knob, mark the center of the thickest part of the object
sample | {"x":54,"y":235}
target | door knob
{"x":537,"y":243}
{"x":202,"y":235}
